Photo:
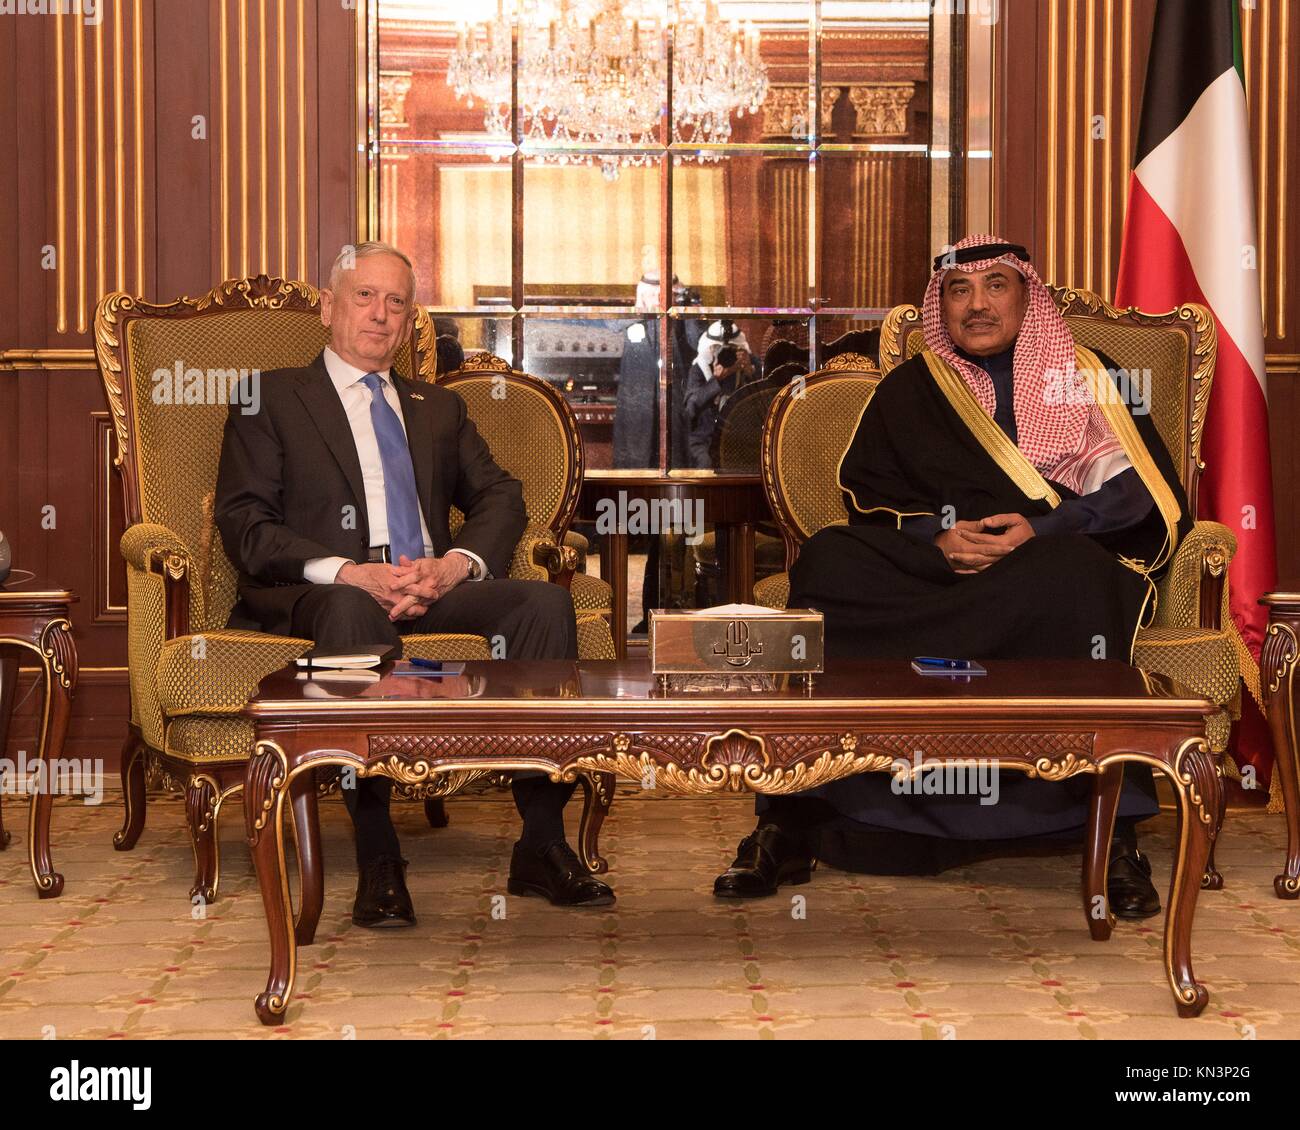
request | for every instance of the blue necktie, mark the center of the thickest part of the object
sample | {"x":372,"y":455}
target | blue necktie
{"x":402,"y":501}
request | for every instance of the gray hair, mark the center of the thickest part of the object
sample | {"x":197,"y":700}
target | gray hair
{"x":351,"y":252}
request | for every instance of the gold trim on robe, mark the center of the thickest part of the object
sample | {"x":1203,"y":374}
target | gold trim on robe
{"x":990,"y":436}
{"x":899,"y":515}
{"x":1090,"y":368}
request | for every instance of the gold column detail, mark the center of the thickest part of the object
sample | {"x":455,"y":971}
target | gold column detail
{"x":284,"y":135}
{"x":263,"y":148}
{"x":785,"y":112}
{"x":119,"y":148}
{"x":1109,"y":227}
{"x":881,"y":108}
{"x":394,"y":86}
{"x":302,"y":139}
{"x":61,"y":175}
{"x":1284,"y":68}
{"x":1089,"y":142}
{"x":101,"y":250}
{"x":79,"y":91}
{"x":1126,"y":93}
{"x":1052,"y":131}
{"x":1261,"y":227}
{"x":223,"y":171}
{"x":138,"y":71}
{"x":243,"y":137}
{"x":1071,"y":141}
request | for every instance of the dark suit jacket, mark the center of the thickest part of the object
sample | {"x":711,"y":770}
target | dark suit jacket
{"x":289,"y":487}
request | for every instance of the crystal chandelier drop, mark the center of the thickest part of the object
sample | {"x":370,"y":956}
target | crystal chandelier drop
{"x":592,"y":73}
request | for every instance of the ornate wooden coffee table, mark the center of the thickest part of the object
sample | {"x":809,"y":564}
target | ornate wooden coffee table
{"x":1049,"y":719}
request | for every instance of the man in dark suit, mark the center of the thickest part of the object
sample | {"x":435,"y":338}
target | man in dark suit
{"x":333,"y":499}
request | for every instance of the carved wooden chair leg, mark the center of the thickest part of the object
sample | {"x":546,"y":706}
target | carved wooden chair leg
{"x":597,"y":796}
{"x":1212,"y":880}
{"x":435,"y":812}
{"x":133,"y":799}
{"x":8,"y":684}
{"x":200,"y":813}
{"x":311,"y":873}
{"x":1096,"y":850}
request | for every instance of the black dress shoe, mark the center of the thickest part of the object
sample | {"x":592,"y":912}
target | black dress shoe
{"x":1128,"y":884}
{"x":382,"y":898}
{"x":765,"y":859}
{"x":555,"y":873}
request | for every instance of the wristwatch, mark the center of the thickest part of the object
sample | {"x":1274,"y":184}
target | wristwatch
{"x":475,"y":570}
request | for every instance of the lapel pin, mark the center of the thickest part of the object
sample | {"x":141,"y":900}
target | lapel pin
{"x":416,"y":396}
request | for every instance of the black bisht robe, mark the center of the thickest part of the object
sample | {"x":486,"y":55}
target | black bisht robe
{"x":889,"y":593}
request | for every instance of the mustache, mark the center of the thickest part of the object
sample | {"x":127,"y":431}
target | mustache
{"x":979,"y":320}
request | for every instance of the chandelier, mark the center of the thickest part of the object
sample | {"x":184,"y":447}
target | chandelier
{"x":592,"y":73}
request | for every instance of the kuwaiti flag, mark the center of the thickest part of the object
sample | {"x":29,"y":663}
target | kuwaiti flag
{"x":1190,"y":236}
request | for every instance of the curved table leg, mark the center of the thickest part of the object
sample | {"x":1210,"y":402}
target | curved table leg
{"x":60,"y":663}
{"x":264,"y":791}
{"x":311,"y":875}
{"x":1102,"y":807}
{"x":8,"y":679}
{"x":132,"y":760}
{"x":597,"y":796}
{"x":1277,"y":665}
{"x":1196,"y":782}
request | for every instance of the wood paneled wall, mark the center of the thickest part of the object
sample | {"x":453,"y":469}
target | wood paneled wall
{"x":167,"y":146}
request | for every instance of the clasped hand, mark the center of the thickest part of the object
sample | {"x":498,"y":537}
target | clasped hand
{"x":406,"y":590}
{"x":969,"y":547}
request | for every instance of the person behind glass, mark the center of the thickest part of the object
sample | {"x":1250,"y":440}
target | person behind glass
{"x":723,"y":364}
{"x":333,"y":501}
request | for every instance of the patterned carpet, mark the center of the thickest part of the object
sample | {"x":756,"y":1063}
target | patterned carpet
{"x":993,"y":950}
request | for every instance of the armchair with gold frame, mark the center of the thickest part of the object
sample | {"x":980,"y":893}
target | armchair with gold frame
{"x":1190,"y":636}
{"x":167,"y":370}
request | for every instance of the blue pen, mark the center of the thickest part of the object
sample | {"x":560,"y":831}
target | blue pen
{"x":945,"y":664}
{"x":431,"y":664}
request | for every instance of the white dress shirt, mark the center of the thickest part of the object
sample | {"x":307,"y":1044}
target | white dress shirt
{"x":355,"y":396}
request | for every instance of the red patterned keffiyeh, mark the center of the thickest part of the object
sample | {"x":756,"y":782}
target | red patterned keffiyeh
{"x":1060,"y":429}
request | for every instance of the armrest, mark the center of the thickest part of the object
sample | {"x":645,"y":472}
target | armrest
{"x":156,"y":549}
{"x":539,"y":557}
{"x":218,"y":672}
{"x":1194,"y":592}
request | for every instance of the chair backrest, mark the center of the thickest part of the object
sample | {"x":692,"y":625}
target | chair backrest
{"x":809,"y":426}
{"x":1170,"y":357}
{"x":530,"y":430}
{"x":865,"y":342}
{"x":781,"y":352}
{"x":168,"y":371}
{"x":737,"y":437}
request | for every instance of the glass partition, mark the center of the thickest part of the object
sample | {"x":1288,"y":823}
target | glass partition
{"x":588,"y":188}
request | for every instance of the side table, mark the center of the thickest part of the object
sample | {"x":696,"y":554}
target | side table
{"x":34,"y":620}
{"x":1277,"y":677}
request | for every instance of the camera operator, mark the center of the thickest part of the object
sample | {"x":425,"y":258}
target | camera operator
{"x":723,"y":364}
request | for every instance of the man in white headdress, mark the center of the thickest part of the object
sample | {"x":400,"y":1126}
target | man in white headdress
{"x":1004,"y":502}
{"x":724,"y":363}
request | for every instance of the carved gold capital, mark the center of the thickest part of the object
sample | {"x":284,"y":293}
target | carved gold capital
{"x":785,"y":112}
{"x":394,"y":86}
{"x":881,"y":108}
